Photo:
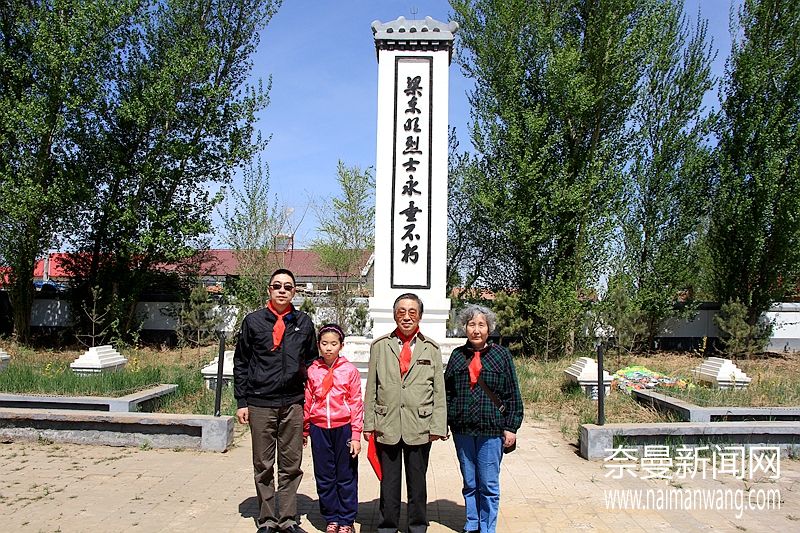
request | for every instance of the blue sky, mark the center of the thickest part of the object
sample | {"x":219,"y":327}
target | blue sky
{"x":321,"y":56}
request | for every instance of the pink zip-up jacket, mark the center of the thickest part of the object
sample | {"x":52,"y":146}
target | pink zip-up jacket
{"x":343,"y":404}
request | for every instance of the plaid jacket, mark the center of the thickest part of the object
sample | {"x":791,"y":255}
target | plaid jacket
{"x":471,"y":411}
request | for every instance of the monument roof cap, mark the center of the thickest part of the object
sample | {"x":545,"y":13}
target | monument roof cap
{"x":414,"y":30}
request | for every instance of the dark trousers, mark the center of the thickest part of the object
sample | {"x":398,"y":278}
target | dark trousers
{"x":277,"y":432}
{"x":392,"y":458}
{"x":337,"y":474}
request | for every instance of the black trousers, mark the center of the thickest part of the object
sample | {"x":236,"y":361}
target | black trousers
{"x":415,"y":458}
{"x":336,"y":472}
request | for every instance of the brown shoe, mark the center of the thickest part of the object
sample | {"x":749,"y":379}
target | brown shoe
{"x":333,"y":527}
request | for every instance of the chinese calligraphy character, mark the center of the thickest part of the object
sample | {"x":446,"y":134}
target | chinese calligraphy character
{"x":410,"y":253}
{"x":409,"y":234}
{"x":411,"y":165}
{"x":411,"y":212}
{"x":412,"y":124}
{"x":412,"y":145}
{"x":413,"y":86}
{"x":412,"y":106}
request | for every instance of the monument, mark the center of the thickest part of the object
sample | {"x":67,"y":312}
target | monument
{"x":411,"y":171}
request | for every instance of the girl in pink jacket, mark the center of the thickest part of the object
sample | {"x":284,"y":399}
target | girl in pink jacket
{"x":334,"y":418}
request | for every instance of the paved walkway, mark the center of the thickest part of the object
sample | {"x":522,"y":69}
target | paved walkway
{"x":545,"y":486}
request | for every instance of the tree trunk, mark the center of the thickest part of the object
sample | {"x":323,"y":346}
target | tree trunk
{"x":22,"y":302}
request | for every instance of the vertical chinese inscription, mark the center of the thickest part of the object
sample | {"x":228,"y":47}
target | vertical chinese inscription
{"x":411,"y":174}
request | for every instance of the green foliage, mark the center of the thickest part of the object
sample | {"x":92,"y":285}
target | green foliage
{"x":622,"y":313}
{"x":100,"y":323}
{"x":668,"y":182}
{"x":739,"y":337}
{"x":754,"y":235}
{"x":176,"y":119}
{"x":309,"y":308}
{"x":558,"y":315}
{"x":359,"y":319}
{"x":345,"y":233}
{"x":554,"y":87}
{"x":54,"y":56}
{"x":197,"y":322}
{"x":510,"y":321}
{"x":252,"y":225}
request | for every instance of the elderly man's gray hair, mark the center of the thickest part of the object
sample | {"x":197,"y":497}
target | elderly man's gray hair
{"x":469,"y":312}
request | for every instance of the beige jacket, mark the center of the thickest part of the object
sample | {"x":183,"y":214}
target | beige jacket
{"x":411,"y":408}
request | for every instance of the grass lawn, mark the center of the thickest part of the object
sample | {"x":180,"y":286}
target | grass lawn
{"x":775,"y":383}
{"x":547,"y":397}
{"x":48,"y":372}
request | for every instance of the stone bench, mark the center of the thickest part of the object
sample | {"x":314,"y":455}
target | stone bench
{"x":595,"y":441}
{"x":690,"y":412}
{"x":156,"y":430}
{"x":122,"y":404}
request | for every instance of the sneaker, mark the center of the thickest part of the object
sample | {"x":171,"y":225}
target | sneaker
{"x":333,"y":527}
{"x":346,"y":529}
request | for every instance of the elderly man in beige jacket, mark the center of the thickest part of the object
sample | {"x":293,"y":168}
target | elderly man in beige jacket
{"x":404,"y":405}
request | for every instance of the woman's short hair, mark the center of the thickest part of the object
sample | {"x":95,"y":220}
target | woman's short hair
{"x":469,"y":312}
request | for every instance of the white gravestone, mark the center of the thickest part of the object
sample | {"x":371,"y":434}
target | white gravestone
{"x":721,"y":373}
{"x":210,"y":372}
{"x":584,"y":373}
{"x":98,"y":359}
{"x":411,"y":170}
{"x":4,"y":359}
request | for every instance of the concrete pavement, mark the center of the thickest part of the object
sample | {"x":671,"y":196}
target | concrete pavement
{"x":545,"y":486}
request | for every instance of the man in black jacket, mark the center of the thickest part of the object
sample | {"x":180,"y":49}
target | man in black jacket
{"x":276,"y":345}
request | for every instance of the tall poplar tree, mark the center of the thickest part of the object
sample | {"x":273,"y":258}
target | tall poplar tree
{"x":554,"y":85}
{"x":177,"y":117}
{"x":345,"y":234}
{"x":667,"y":185}
{"x":754,"y":235}
{"x":54,"y":56}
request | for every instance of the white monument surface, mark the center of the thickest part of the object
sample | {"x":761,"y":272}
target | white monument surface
{"x":411,"y":172}
{"x":584,"y":372}
{"x":210,"y":371}
{"x":98,"y":359}
{"x":721,"y":373}
{"x":4,"y":359}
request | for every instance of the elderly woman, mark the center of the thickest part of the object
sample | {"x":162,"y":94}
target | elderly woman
{"x":484,"y":411}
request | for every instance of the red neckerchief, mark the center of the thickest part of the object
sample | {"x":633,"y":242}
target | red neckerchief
{"x":327,"y":381}
{"x":475,"y":366}
{"x":280,"y":327}
{"x":405,"y":352}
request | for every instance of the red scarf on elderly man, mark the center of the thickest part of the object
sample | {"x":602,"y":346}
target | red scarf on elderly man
{"x":405,"y":351}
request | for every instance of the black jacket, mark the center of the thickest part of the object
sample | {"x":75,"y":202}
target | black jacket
{"x":266,"y":378}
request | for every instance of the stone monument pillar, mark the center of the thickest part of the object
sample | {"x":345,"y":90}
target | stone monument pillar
{"x":411,"y":170}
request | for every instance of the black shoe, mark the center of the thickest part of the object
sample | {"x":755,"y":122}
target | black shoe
{"x":470,"y":531}
{"x":294,"y":529}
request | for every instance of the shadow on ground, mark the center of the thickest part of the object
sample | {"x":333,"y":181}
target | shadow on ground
{"x":444,"y":512}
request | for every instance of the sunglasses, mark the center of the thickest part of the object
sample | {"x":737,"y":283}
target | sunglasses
{"x":286,"y":286}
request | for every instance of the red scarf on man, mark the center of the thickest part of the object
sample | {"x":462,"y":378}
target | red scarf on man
{"x":280,"y":327}
{"x":405,"y":351}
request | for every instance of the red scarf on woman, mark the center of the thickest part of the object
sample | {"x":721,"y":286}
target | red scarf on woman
{"x":475,"y":366}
